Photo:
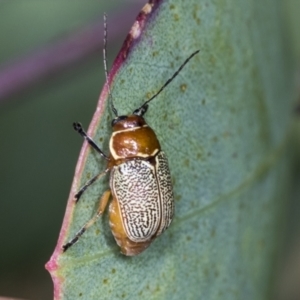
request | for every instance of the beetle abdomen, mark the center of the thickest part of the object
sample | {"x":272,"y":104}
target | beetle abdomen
{"x":127,"y":246}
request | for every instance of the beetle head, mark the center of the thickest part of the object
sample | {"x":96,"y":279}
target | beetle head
{"x":126,"y":122}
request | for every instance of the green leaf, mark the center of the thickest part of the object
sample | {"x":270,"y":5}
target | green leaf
{"x":224,"y":124}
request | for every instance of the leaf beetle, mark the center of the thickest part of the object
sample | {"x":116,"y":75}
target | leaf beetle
{"x":142,"y":205}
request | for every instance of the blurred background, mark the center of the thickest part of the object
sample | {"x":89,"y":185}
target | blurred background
{"x":51,"y":74}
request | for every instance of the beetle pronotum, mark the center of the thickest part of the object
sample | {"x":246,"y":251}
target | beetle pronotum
{"x":142,"y":205}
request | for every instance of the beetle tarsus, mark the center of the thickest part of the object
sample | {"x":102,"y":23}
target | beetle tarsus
{"x":78,"y":195}
{"x":78,"y":127}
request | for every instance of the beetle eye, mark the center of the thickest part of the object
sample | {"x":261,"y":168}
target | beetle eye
{"x":117,"y":119}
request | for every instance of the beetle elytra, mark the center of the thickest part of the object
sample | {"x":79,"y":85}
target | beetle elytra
{"x":142,"y":204}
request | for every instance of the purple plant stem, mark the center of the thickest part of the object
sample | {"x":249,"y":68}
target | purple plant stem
{"x":51,"y":59}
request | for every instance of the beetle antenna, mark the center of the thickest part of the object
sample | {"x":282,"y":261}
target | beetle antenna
{"x":105,"y":66}
{"x":141,"y":110}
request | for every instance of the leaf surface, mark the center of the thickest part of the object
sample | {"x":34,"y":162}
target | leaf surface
{"x":224,"y":124}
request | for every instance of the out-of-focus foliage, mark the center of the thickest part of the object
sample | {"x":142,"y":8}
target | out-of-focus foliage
{"x":39,"y":147}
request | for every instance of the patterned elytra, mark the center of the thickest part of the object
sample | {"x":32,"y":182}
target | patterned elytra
{"x":145,"y":197}
{"x":166,"y":191}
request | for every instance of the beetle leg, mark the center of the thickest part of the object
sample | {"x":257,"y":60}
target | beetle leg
{"x":77,"y":126}
{"x":90,"y":182}
{"x":102,"y":205}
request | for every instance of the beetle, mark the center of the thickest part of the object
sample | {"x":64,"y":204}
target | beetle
{"x":142,"y":205}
